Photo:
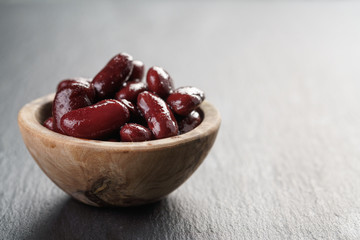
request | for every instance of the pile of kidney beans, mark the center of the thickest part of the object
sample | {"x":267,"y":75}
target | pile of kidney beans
{"x":117,"y":106}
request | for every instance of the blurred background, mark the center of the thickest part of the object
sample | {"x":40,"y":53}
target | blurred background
{"x":283,"y":74}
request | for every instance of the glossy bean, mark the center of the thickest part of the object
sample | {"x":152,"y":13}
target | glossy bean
{"x":109,"y":80}
{"x":135,"y":115}
{"x":49,"y":123}
{"x":130,"y":91}
{"x":158,"y":115}
{"x":70,"y":81}
{"x":159,"y":81}
{"x":185,"y":99}
{"x":189,"y":122}
{"x":69,"y":98}
{"x":96,"y":121}
{"x":133,"y":132}
{"x":138,"y":71}
{"x":82,"y":83}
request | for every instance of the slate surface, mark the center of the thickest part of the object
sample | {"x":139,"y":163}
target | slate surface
{"x":284,"y":75}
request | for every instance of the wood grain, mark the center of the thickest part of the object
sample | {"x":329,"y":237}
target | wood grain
{"x":284,"y":76}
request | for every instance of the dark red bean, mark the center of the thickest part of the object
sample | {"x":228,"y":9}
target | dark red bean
{"x":159,"y":81}
{"x":134,"y":113}
{"x":129,"y":105}
{"x":69,"y":98}
{"x":70,"y":81}
{"x":158,"y":115}
{"x":109,"y":80}
{"x":185,"y":99}
{"x":96,"y":121}
{"x":130,"y":91}
{"x":189,"y":122}
{"x":133,"y":132}
{"x":81,"y":82}
{"x":49,"y":123}
{"x":138,"y":71}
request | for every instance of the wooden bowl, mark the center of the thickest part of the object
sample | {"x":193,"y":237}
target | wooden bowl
{"x":101,"y":173}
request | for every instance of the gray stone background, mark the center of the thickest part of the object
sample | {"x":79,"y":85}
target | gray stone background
{"x":285,"y":77}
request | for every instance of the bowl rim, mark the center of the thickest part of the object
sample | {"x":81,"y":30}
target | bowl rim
{"x":27,"y":118}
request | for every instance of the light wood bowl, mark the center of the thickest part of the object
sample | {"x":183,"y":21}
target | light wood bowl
{"x":101,"y":173}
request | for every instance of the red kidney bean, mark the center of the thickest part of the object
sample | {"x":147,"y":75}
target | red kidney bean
{"x":109,"y":80}
{"x":130,"y":106}
{"x":159,"y":81}
{"x":130,"y":91}
{"x":70,"y":81}
{"x":81,"y":82}
{"x":138,"y":71}
{"x":96,"y":121}
{"x":189,"y":122}
{"x":185,"y":99}
{"x":135,"y":115}
{"x":49,"y":123}
{"x":69,"y":98}
{"x":133,"y":132}
{"x":158,"y":115}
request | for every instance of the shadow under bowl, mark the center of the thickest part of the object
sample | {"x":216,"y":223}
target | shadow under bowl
{"x":102,"y":173}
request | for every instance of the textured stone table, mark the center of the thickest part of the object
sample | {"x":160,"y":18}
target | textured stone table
{"x":285,"y":77}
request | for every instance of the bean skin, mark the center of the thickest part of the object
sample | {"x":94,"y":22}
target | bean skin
{"x":138,"y":71}
{"x":130,"y":91}
{"x":133,"y":132}
{"x":158,"y":115}
{"x":109,"y":80}
{"x":49,"y":123}
{"x":132,"y":109}
{"x":185,"y":99}
{"x":135,"y":115}
{"x":69,"y":98}
{"x":70,"y":81}
{"x":188,"y":123}
{"x":81,"y":82}
{"x":97,"y":121}
{"x":159,"y":81}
